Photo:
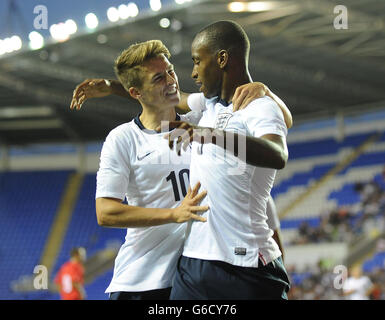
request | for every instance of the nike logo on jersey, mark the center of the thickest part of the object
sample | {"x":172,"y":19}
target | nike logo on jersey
{"x":141,"y":157}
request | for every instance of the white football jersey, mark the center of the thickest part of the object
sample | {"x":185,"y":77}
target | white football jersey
{"x":358,"y":286}
{"x":236,"y":230}
{"x":137,"y":164}
{"x":272,"y":215}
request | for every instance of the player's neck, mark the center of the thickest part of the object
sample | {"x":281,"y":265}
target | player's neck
{"x":152,"y":119}
{"x":233,"y":80}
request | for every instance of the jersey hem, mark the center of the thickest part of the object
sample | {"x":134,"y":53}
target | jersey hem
{"x":200,"y":256}
{"x":217,"y":258}
{"x":138,"y":288}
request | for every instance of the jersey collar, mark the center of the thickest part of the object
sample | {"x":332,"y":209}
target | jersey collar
{"x":141,"y":126}
{"x":223,"y":102}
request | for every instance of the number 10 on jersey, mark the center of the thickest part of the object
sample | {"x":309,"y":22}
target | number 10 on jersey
{"x":179,"y":182}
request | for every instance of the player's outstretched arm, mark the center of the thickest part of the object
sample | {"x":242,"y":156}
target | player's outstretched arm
{"x":268,"y":151}
{"x":243,"y":95}
{"x":285,"y":110}
{"x":111,"y":212}
{"x":96,"y":88}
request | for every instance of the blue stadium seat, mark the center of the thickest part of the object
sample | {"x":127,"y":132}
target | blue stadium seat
{"x":377,"y":261}
{"x":28,"y":202}
{"x":325,"y":146}
{"x":346,"y":195}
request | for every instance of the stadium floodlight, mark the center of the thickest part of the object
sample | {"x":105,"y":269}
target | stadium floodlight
{"x":236,"y":6}
{"x":164,"y":23}
{"x":155,"y":5}
{"x":255,"y":6}
{"x":252,"y":6}
{"x":71,"y":26}
{"x":16,"y":43}
{"x":91,"y":20}
{"x":133,"y":9}
{"x":36,"y":40}
{"x":11,"y":44}
{"x":59,"y":32}
{"x":113,"y":14}
{"x":2,"y":51}
{"x":124,"y":12}
{"x":7,"y":45}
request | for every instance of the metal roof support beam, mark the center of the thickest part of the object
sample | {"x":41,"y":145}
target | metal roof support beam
{"x":52,"y":70}
{"x":310,"y":76}
{"x":50,"y":96}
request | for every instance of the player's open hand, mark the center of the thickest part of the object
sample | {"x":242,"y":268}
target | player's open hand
{"x":248,"y":92}
{"x":90,"y":88}
{"x":189,"y":207}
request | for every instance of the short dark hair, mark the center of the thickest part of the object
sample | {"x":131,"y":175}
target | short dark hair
{"x":227,"y":35}
{"x":75,"y":251}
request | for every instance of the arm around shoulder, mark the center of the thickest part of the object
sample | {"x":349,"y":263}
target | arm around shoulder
{"x":285,"y":110}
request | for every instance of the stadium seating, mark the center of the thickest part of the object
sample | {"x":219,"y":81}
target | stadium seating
{"x":28,"y":202}
{"x":375,"y":262}
{"x":307,"y":166}
{"x":339,"y":192}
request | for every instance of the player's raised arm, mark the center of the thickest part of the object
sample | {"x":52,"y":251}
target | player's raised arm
{"x":99,"y":88}
{"x":96,"y":88}
{"x":268,"y":151}
{"x":246,"y":93}
{"x":243,"y":95}
{"x":285,"y":110}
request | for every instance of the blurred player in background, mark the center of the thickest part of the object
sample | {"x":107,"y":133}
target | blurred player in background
{"x":357,"y":286}
{"x":70,"y":277}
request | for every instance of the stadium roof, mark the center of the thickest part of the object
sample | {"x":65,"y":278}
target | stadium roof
{"x":296,"y":50}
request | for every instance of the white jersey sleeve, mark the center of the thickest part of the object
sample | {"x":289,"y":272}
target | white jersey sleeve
{"x":114,"y":169}
{"x":196,"y":102}
{"x":263,"y":116}
{"x":272,"y":216}
{"x":192,"y":117}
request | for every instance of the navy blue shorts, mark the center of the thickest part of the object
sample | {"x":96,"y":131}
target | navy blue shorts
{"x":158,"y":294}
{"x":198,"y":279}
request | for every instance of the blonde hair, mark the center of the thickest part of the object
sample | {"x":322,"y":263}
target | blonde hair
{"x":128,"y":66}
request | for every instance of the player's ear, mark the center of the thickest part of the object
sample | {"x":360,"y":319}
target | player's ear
{"x":222,"y":58}
{"x":134,"y":93}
